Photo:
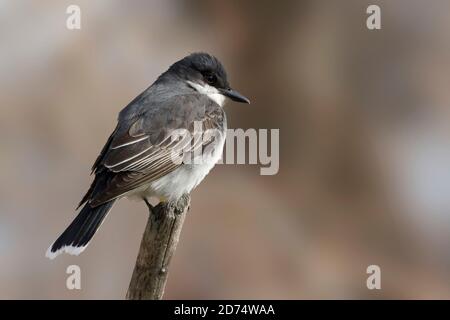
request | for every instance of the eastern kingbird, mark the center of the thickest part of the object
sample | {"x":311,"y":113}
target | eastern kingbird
{"x":137,"y":160}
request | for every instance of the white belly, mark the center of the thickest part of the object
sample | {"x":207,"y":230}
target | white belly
{"x":182,"y":180}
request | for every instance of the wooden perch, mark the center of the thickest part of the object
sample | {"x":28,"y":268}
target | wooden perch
{"x":158,"y":245}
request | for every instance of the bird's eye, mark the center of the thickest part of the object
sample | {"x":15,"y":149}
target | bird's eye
{"x":211,"y":78}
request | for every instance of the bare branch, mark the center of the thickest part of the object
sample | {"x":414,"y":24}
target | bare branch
{"x":158,"y":245}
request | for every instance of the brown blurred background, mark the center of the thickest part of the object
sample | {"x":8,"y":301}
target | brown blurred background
{"x":364,"y":123}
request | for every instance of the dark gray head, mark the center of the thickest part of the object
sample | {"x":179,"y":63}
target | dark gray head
{"x":205,"y":73}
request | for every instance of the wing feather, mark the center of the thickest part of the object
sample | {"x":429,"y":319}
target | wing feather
{"x":145,"y":149}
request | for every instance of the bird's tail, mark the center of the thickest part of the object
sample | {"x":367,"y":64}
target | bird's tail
{"x":78,"y":234}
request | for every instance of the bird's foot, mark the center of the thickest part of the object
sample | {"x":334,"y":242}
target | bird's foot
{"x":150,"y":207}
{"x":155,"y":211}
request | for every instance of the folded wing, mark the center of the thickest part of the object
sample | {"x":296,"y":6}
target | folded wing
{"x":151,"y":145}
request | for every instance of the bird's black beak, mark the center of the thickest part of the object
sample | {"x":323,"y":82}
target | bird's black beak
{"x":234,"y":95}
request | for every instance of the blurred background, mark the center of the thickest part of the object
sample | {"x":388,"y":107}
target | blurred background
{"x":364,"y":123}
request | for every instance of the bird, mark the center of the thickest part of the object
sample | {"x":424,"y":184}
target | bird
{"x":141,"y":158}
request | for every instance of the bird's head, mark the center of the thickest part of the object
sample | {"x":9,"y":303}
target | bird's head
{"x":205,"y":74}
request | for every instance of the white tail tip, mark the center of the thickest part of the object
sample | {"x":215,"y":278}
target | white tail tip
{"x":65,"y":249}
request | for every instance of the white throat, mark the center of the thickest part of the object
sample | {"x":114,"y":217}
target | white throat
{"x":210,"y":91}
